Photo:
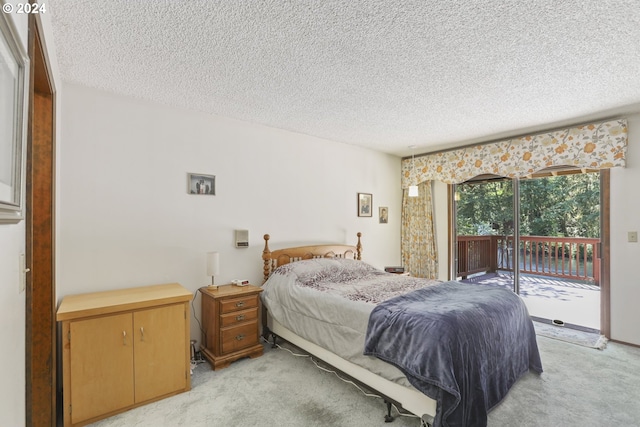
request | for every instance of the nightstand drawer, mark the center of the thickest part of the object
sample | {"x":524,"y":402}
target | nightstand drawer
{"x":239,"y":337}
{"x":229,"y":305}
{"x":230,"y":319}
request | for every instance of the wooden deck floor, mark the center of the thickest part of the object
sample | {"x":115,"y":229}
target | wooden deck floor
{"x":573,"y":302}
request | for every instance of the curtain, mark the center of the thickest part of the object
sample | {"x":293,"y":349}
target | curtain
{"x":593,"y":146}
{"x":419,"y":254}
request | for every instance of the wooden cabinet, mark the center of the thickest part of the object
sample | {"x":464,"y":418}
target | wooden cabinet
{"x":122,"y":349}
{"x":230,"y":324}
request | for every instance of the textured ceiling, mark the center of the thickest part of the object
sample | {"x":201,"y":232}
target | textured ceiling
{"x":381,"y":74}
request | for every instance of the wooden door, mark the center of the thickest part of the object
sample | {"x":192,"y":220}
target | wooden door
{"x":101,"y":365}
{"x":161,"y":350}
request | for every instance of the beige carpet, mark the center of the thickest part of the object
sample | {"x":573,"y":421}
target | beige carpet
{"x":580,"y":387}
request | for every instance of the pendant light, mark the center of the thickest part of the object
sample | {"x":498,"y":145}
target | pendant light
{"x":413,"y":189}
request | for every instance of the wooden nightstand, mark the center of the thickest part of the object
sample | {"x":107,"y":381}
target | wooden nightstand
{"x":230,"y":322}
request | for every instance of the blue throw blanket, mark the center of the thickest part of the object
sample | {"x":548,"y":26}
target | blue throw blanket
{"x":462,"y":345}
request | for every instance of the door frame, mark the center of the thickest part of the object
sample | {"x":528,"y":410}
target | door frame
{"x":40,"y":323}
{"x":605,"y":249}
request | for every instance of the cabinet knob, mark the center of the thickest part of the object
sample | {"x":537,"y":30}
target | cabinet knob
{"x":240,"y":304}
{"x":240,"y":317}
{"x":141,"y":333}
{"x":124,"y":337}
{"x":240,"y":337}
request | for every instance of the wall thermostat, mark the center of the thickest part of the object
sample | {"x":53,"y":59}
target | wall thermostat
{"x":242,"y":238}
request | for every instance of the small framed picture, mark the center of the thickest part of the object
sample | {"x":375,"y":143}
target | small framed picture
{"x":365,"y":204}
{"x":201,"y":184}
{"x":383,"y":213}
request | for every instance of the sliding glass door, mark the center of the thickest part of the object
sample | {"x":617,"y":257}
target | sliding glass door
{"x":539,"y":237}
{"x":559,"y":247}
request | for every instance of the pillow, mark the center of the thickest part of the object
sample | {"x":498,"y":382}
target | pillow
{"x":311,"y":272}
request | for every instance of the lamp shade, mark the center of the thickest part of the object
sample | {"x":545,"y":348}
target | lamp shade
{"x":213,"y":263}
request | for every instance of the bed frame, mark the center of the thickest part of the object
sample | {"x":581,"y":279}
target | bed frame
{"x":408,"y":399}
{"x":273,"y":260}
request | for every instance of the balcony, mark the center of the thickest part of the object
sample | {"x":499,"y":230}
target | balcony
{"x":559,"y":276}
{"x":573,"y":258}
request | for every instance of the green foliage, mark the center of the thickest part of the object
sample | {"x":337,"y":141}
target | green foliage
{"x":485,"y":209}
{"x":566,"y":205}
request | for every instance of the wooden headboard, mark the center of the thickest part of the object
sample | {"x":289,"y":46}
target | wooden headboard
{"x":274,"y":259}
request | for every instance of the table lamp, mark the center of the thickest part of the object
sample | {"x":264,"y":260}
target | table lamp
{"x":213,"y":265}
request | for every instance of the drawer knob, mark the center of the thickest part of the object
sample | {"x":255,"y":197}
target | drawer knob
{"x":240,"y":304}
{"x":240,"y":317}
{"x":240,"y":337}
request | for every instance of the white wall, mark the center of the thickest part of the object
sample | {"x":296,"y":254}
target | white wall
{"x":625,"y":256}
{"x":126,"y":218}
{"x":12,"y":303}
{"x":12,"y":332}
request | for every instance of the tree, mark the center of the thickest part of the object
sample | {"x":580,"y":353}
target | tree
{"x":565,"y":205}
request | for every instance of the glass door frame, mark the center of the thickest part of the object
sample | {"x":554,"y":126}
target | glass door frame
{"x":515,"y":186}
{"x":605,"y":224}
{"x":453,"y":235}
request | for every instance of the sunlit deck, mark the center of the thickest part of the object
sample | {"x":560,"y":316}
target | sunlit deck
{"x":559,"y":276}
{"x":572,"y":301}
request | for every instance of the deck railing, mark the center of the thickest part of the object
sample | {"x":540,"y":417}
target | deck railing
{"x":564,"y":257}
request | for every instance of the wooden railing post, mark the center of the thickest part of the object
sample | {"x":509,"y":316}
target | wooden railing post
{"x":493,"y":254}
{"x":596,"y":264}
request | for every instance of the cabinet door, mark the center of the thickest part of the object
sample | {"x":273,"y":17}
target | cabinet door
{"x":101,"y":365}
{"x":161,"y":349}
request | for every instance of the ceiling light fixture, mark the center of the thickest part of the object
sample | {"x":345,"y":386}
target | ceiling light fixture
{"x":413,"y":189}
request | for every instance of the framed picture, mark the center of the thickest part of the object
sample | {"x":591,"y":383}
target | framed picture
{"x":365,"y":204}
{"x":201,"y":184}
{"x":383,"y":214}
{"x":13,"y":117}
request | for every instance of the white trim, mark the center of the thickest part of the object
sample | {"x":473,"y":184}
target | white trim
{"x":11,"y":193}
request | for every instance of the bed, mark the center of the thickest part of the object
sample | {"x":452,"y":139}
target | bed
{"x":364,"y":322}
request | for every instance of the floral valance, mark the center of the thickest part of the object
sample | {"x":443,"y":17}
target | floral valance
{"x":592,"y":146}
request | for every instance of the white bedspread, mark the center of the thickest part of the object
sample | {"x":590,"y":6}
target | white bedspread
{"x":328,"y":302}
